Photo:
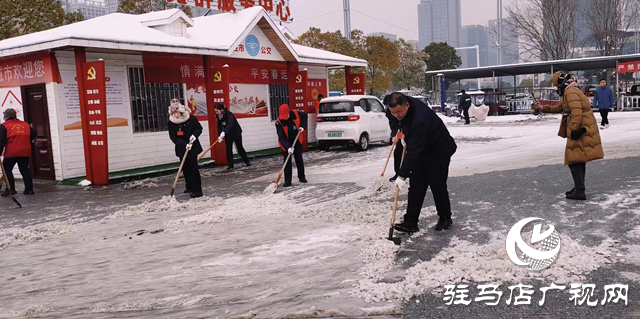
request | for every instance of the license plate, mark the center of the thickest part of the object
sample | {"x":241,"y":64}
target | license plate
{"x":334,"y":134}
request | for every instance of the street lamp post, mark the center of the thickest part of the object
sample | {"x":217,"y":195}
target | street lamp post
{"x":477,"y":47}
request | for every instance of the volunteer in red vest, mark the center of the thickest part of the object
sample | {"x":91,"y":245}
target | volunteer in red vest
{"x":15,"y":140}
{"x":288,"y":124}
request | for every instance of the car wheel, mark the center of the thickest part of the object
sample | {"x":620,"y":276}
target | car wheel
{"x":323,"y":147}
{"x":363,"y":143}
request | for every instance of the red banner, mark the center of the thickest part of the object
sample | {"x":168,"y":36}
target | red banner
{"x":315,"y":87}
{"x":356,"y":84}
{"x":171,"y":69}
{"x":29,"y":69}
{"x":278,"y":8}
{"x":629,"y":67}
{"x":95,"y":97}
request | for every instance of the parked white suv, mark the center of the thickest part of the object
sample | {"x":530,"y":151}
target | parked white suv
{"x":351,"y":120}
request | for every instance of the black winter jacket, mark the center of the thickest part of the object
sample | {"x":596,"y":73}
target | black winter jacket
{"x":190,"y":127}
{"x":229,"y":124}
{"x":426,"y":136}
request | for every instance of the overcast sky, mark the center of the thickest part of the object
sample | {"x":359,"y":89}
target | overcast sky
{"x":399,"y":17}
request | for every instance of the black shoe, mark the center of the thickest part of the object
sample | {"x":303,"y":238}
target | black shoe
{"x":393,"y":179}
{"x":467,"y":123}
{"x":571,"y":191}
{"x":302,"y":180}
{"x":579,"y":194}
{"x":31,"y":192}
{"x":187,"y":191}
{"x":248,"y":164}
{"x":407,"y":227}
{"x":443,"y":224}
{"x":229,"y":168}
{"x":286,"y":184}
{"x":196,"y":194}
{"x":6,"y":193}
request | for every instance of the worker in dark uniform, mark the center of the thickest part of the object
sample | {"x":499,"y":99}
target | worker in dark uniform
{"x":429,"y":149}
{"x":394,"y":124}
{"x":465,"y":103}
{"x":15,"y":140}
{"x":287,"y":126}
{"x":184,"y":128}
{"x":229,"y":129}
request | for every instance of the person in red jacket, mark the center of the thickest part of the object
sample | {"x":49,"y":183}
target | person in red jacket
{"x":289,"y":123}
{"x":15,"y":140}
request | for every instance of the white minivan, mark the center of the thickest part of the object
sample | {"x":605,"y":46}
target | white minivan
{"x":352,"y":120}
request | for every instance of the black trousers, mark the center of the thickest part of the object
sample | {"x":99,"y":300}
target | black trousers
{"x":192,"y":174}
{"x":466,"y":114}
{"x":229,"y":140}
{"x":578,"y":171}
{"x":605,"y":116}
{"x":23,"y":166}
{"x":297,"y":154}
{"x":397,"y":157}
{"x":432,"y":174}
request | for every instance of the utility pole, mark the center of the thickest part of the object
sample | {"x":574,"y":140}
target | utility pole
{"x":347,"y":18}
{"x":500,"y":32}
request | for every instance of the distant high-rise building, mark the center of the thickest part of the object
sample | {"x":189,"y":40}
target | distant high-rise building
{"x":439,"y":21}
{"x":89,"y":8}
{"x":389,"y":36}
{"x":474,"y":35}
{"x":112,"y":6}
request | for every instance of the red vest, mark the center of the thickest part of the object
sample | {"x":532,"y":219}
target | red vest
{"x":286,"y":130}
{"x":18,"y":139}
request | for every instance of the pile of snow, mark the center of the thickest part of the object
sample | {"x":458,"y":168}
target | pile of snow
{"x":30,"y":234}
{"x":464,"y":261}
{"x":167,"y":204}
{"x":145,"y":183}
{"x":84,"y":183}
{"x":623,"y":199}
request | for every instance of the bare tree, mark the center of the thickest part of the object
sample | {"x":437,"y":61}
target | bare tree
{"x":609,"y":24}
{"x":547,"y":27}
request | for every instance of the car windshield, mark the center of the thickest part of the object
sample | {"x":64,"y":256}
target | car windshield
{"x":336,"y":107}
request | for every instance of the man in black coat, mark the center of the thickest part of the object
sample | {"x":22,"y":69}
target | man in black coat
{"x":289,"y":123}
{"x":229,"y":129}
{"x":465,"y":103}
{"x":429,"y":148}
{"x":394,"y":124}
{"x":184,"y":128}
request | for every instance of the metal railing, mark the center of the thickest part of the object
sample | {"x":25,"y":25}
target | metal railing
{"x":629,"y":103}
{"x":520,"y":105}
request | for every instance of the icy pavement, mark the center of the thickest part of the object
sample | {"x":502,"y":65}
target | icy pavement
{"x":318,"y":250}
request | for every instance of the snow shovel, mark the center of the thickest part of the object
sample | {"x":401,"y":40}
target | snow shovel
{"x":180,"y":169}
{"x":377,"y":185}
{"x":6,"y":179}
{"x":207,"y":151}
{"x":396,"y":241}
{"x":276,"y":184}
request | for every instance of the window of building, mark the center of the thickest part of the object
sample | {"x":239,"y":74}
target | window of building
{"x":150,"y":102}
{"x":278,"y":95}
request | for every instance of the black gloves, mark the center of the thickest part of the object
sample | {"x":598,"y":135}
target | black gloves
{"x":576,"y":134}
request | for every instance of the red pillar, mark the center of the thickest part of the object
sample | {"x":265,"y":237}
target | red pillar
{"x":217,"y":88}
{"x":81,"y":57}
{"x":298,"y":97}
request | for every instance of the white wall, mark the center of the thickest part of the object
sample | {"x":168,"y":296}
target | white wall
{"x":126,"y":149}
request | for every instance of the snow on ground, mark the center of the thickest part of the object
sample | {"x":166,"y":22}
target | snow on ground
{"x":317,"y":250}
